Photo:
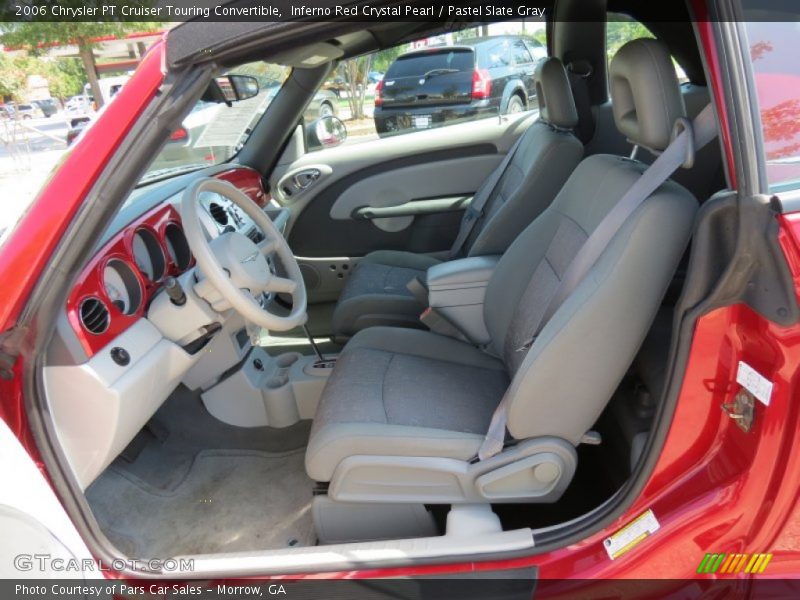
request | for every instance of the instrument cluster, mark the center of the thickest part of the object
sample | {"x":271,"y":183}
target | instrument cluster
{"x":118,"y":284}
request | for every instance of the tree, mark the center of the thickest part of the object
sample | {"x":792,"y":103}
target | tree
{"x":37,"y":36}
{"x":64,"y":76}
{"x":383,"y":59}
{"x":622,"y":30}
{"x":12,"y":77}
{"x":356,"y":70}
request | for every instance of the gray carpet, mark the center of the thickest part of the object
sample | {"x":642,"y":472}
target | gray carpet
{"x":192,"y":484}
{"x":186,"y":428}
{"x":228,"y":501}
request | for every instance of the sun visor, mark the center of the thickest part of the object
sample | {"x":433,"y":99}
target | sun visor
{"x":308,"y":57}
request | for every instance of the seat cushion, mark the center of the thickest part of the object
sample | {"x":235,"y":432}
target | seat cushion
{"x":376,"y":292}
{"x":404,"y":392}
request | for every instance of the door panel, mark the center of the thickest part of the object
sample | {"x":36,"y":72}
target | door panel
{"x":399,"y":186}
{"x":406,"y":192}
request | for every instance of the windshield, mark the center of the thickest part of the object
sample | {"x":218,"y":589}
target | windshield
{"x":213,"y":133}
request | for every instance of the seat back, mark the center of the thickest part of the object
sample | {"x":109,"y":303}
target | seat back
{"x":562,"y":383}
{"x":546,"y":156}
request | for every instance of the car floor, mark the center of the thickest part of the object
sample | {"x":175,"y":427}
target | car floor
{"x":190,"y":484}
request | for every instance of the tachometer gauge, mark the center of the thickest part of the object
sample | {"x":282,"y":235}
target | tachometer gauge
{"x":122,"y":287}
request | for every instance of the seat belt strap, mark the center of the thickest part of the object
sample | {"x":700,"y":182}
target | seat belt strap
{"x":479,"y":201}
{"x":682,"y":148}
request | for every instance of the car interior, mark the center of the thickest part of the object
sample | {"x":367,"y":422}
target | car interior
{"x":297,"y":355}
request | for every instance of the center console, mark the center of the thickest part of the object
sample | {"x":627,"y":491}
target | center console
{"x":277,"y":391}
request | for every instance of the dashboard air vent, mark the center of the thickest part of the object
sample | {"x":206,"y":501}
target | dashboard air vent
{"x":219,"y":214}
{"x":94,"y":315}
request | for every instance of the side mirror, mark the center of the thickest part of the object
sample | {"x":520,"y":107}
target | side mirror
{"x":237,"y":87}
{"x":326,"y":132}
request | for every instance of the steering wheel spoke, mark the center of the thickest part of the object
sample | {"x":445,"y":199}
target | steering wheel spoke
{"x":269,"y":246}
{"x":281,"y":285}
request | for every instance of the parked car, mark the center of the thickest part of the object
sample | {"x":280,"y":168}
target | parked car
{"x":12,"y":110}
{"x":109,"y":87}
{"x":648,"y":428}
{"x":30,"y":111}
{"x":446,"y":84}
{"x":48,"y":106}
{"x":80,"y":104}
{"x":336,"y":85}
{"x":323,"y":104}
{"x":75,"y":127}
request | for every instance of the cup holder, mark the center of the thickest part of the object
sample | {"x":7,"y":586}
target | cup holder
{"x":277,"y":382}
{"x":284,"y":361}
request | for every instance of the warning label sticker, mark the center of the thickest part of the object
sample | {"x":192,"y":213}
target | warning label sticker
{"x":631,"y":535}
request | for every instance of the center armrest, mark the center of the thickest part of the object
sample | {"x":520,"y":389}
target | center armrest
{"x":462,"y":273}
{"x":456,"y":290}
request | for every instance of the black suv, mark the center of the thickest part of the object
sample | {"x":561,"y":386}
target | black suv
{"x":447,"y":84}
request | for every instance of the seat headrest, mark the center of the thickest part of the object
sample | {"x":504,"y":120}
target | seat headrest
{"x":645,"y":93}
{"x":554,"y":94}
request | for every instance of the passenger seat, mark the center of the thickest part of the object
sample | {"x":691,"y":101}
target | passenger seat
{"x":376,"y":292}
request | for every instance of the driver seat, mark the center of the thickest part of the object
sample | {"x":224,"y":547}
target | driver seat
{"x":405,"y":411}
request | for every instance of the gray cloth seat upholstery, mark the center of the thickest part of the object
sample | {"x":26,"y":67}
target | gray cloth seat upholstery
{"x":376,"y":294}
{"x":434,"y":388}
{"x":393,"y":386}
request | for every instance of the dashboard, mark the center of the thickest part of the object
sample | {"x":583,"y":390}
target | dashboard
{"x":115,"y":288}
{"x":121,"y":346}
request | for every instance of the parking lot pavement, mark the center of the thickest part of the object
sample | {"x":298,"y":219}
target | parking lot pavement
{"x":28,"y":153}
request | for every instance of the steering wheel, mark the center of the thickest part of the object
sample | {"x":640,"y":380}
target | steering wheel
{"x":236,"y":266}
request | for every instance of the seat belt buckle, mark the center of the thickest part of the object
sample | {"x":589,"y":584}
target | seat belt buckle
{"x":436,"y":323}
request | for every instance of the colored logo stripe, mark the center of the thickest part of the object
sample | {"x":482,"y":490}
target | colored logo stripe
{"x":734,"y":563}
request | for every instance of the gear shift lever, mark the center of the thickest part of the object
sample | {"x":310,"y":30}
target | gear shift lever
{"x":320,"y":358}
{"x":321,"y":362}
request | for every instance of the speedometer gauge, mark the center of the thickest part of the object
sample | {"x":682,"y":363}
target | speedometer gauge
{"x":148,"y":255}
{"x":122,"y":287}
